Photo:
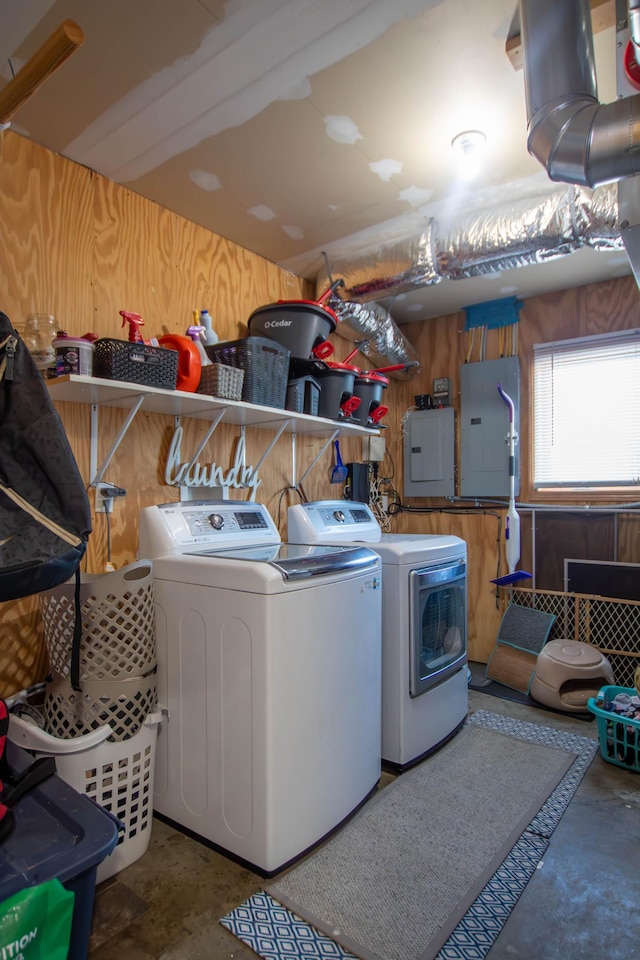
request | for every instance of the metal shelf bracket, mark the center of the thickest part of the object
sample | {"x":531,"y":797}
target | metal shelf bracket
{"x":98,"y":474}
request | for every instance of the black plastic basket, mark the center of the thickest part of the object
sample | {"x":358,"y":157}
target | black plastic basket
{"x":135,"y":363}
{"x":266,"y":367}
{"x":302,"y":395}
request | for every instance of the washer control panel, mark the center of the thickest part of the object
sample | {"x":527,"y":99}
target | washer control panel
{"x":177,"y":527}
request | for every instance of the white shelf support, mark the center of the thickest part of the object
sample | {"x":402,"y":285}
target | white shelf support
{"x":283,"y":426}
{"x":214,"y":423}
{"x":96,"y":476}
{"x":315,"y":459}
{"x":294,"y":458}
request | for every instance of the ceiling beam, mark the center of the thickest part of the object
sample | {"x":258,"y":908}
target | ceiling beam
{"x":603,"y":15}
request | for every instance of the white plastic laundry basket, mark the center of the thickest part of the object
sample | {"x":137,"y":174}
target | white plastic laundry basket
{"x":118,"y":624}
{"x":117,"y":775}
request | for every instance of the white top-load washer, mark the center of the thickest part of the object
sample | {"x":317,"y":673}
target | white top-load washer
{"x":424,"y":623}
{"x":269,"y":661}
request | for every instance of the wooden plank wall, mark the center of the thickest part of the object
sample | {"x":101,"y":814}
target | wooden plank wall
{"x":79,"y":246}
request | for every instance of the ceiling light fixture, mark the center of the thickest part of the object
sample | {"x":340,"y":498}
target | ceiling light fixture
{"x":469,"y":149}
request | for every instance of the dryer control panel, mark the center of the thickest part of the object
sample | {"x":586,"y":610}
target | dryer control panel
{"x":332,"y":521}
{"x":170,"y":528}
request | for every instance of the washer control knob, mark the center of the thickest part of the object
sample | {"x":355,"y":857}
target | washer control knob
{"x":339,"y":516}
{"x":216,"y":521}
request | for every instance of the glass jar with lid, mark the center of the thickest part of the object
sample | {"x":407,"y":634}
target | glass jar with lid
{"x":40,"y":330}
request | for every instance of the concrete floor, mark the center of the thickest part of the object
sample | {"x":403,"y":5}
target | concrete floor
{"x":584,"y":900}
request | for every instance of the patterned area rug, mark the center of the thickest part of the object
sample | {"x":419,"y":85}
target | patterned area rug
{"x":276,"y":933}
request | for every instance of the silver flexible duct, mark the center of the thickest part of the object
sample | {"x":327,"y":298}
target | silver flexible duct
{"x":527,"y":232}
{"x":530,"y":231}
{"x":378,"y":336}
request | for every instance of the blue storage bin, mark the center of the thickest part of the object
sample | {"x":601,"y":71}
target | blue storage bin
{"x":58,"y":833}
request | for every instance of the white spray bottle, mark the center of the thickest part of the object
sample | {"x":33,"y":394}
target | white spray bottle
{"x":210,"y":336}
{"x":196,"y":332}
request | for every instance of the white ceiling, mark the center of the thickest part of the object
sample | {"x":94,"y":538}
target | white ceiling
{"x":293,"y":127}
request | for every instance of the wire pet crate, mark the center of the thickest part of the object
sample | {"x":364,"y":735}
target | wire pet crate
{"x":610,"y":624}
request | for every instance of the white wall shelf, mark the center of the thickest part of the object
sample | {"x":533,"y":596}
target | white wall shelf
{"x":75,"y":388}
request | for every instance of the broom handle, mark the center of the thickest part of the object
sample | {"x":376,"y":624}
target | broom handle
{"x":512,"y":440}
{"x":51,"y":55}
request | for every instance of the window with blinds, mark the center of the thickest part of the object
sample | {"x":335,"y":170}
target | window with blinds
{"x":587,"y":411}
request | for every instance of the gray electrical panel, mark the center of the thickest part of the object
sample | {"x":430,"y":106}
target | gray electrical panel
{"x":484,"y":427}
{"x":429,"y":453}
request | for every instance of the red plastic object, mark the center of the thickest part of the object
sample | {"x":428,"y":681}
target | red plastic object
{"x":135,"y":321}
{"x":189,"y":363}
{"x":332,"y":289}
{"x":323,"y":350}
{"x":631,"y":66}
{"x":350,"y":405}
{"x":333,"y":317}
{"x":373,"y":376}
{"x":335,"y":365}
{"x":380,"y":411}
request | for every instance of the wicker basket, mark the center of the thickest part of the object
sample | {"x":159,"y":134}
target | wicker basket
{"x":118,"y":624}
{"x":124,"y":704}
{"x":266,"y":367}
{"x":135,"y":363}
{"x":219,"y":380}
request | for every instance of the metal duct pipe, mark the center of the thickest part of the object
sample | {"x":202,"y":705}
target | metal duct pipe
{"x":576,"y":138}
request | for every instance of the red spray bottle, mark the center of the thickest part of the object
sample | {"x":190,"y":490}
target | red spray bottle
{"x":135,"y":321}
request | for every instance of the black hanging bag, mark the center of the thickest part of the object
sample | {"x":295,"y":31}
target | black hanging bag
{"x":45,"y":517}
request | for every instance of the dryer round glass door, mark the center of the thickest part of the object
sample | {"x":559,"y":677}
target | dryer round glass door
{"x":438,"y":624}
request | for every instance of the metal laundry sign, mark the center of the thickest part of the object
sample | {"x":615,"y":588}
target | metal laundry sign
{"x":181,"y":473}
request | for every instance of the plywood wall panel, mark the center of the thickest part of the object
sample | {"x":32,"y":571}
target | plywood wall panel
{"x":46,"y":239}
{"x":23,"y":655}
{"x":133,"y":260}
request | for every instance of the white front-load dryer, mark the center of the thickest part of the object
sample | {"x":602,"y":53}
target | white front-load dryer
{"x":424,"y":623}
{"x":269,"y":662}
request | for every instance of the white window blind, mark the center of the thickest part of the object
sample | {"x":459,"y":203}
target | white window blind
{"x":587,"y":411}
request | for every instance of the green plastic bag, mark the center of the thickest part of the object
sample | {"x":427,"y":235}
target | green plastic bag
{"x":35,"y":923}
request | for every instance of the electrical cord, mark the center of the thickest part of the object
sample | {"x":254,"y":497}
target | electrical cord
{"x":399,"y":507}
{"x":301,"y":494}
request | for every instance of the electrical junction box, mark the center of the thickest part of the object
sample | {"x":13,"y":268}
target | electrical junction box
{"x":442,"y":392}
{"x":373,"y":448}
{"x":484,"y":427}
{"x":429,"y":453}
